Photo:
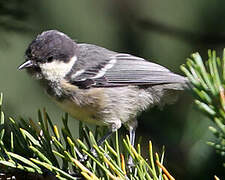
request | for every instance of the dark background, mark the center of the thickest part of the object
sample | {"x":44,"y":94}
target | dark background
{"x":166,"y":32}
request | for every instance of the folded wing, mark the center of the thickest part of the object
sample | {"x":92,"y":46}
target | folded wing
{"x":124,"y":70}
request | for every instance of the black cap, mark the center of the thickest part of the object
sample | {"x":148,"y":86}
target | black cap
{"x":49,"y":45}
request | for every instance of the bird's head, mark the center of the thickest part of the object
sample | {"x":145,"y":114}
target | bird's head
{"x":50,"y":56}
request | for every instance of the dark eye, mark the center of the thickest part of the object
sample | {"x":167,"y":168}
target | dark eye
{"x":50,"y":59}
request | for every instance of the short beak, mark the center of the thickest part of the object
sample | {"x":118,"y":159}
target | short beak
{"x":26,"y":64}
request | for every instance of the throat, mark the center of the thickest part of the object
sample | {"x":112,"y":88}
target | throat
{"x":54,"y":74}
{"x":53,"y":89}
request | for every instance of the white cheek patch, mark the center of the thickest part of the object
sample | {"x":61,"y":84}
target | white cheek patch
{"x":56,"y":70}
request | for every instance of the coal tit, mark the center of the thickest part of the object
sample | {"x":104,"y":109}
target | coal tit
{"x":96,"y":85}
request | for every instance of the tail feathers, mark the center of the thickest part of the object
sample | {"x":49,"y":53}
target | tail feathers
{"x":186,"y":84}
{"x":168,"y":93}
{"x":182,"y":84}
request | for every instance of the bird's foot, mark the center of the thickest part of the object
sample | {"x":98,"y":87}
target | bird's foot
{"x":130,"y":163}
{"x":84,"y":157}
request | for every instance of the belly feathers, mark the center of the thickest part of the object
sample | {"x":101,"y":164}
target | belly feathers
{"x":82,"y":113}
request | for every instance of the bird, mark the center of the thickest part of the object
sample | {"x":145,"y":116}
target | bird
{"x":99,"y":86}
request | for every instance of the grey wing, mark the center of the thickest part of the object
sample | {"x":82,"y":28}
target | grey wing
{"x":129,"y":69}
{"x":123,"y":70}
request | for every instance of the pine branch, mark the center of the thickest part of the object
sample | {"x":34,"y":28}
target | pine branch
{"x":42,"y":150}
{"x":208,"y":83}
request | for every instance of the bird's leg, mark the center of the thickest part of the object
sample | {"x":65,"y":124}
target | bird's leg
{"x":114,"y":127}
{"x":99,"y":143}
{"x":132,"y":125}
{"x":132,"y":136}
{"x":106,"y":136}
{"x":130,"y":162}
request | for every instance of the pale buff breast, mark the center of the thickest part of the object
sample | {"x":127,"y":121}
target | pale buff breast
{"x":82,"y":113}
{"x":83,"y":105}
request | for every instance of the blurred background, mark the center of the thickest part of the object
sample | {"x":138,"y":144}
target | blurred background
{"x":165,"y":32}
